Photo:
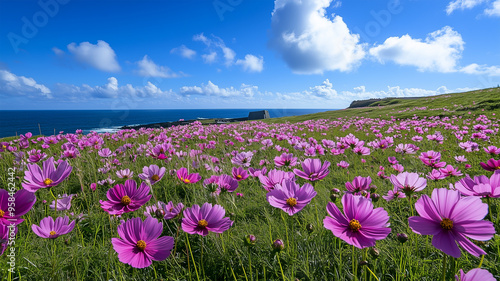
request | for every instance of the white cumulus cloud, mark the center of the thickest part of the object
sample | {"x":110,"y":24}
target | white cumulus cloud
{"x":148,"y":68}
{"x":210,"y":89}
{"x":462,"y":5}
{"x":252,"y":63}
{"x":184,"y":52}
{"x":311,"y":42}
{"x":475,"y":68}
{"x":494,"y":10}
{"x":439,"y":52}
{"x":13,"y":85}
{"x":100,"y":56}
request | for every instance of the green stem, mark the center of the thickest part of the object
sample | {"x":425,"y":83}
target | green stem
{"x":192,"y":258}
{"x":481,"y":262}
{"x":443,"y":275}
{"x":55,"y":198}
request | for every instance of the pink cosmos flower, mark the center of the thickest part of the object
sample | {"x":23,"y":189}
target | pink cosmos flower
{"x":452,"y":219}
{"x":36,"y":178}
{"x":125,"y":174}
{"x":227,"y":183}
{"x":243,"y":159}
{"x":393,"y":194}
{"x":207,"y":218}
{"x":435,"y":175}
{"x":460,"y":159}
{"x":152,"y":174}
{"x":290,"y":197}
{"x":50,"y":229}
{"x":343,"y":164}
{"x":140,"y":242}
{"x":186,"y":178}
{"x":239,"y":173}
{"x":257,"y":172}
{"x":313,"y":170}
{"x":63,"y":202}
{"x":480,"y":185}
{"x":392,"y":160}
{"x":359,"y":184}
{"x":476,"y":274}
{"x":491,"y":165}
{"x":23,"y":202}
{"x":360,"y":225}
{"x":493,"y":150}
{"x":450,"y":171}
{"x":124,"y":198}
{"x":361,"y":150}
{"x":105,"y":152}
{"x":285,"y":160}
{"x":398,"y":168}
{"x":275,"y":177}
{"x":408,"y":182}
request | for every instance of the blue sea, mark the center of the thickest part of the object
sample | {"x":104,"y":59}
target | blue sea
{"x":15,"y":122}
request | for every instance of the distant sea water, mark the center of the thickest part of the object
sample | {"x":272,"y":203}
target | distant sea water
{"x":14,"y":122}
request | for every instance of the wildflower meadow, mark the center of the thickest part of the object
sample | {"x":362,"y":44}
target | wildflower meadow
{"x":350,"y":198}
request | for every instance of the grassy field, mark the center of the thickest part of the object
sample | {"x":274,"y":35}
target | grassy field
{"x":311,"y":252}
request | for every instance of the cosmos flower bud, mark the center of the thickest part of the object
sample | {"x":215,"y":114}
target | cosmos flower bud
{"x":250,"y":239}
{"x":363,"y":262}
{"x":402,"y":237}
{"x":373,"y":188}
{"x":375,"y":197}
{"x":335,"y":191}
{"x":374,"y":252}
{"x":278,"y":245}
{"x":334,"y":197}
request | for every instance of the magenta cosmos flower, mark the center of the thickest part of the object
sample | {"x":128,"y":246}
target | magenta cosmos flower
{"x":393,"y":194}
{"x":243,"y":159}
{"x":360,"y":225}
{"x":140,"y":242}
{"x":50,"y":229}
{"x":313,"y":170}
{"x":63,"y":202}
{"x":166,"y":211}
{"x":359,"y":184}
{"x":207,"y":218}
{"x":152,"y":174}
{"x":451,"y":219}
{"x":476,"y":274}
{"x":23,"y":201}
{"x":290,"y":197}
{"x":124,"y":198}
{"x":480,"y":185}
{"x":408,"y":182}
{"x":491,"y":165}
{"x":183,"y":175}
{"x":239,"y":173}
{"x":275,"y":177}
{"x":285,"y":160}
{"x":36,"y":178}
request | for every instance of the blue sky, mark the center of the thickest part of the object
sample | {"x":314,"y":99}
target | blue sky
{"x":74,"y":54}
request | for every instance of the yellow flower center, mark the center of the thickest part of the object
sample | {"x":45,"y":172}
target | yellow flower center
{"x":52,"y":232}
{"x":141,"y":245}
{"x":239,"y":176}
{"x":48,"y":181}
{"x":125,"y":200}
{"x":354,"y":225}
{"x":202,"y":223}
{"x":187,"y":181}
{"x":446,"y":224}
{"x":4,"y":146}
{"x":1,"y":213}
{"x":291,"y":201}
{"x":155,"y":177}
{"x":497,"y":168}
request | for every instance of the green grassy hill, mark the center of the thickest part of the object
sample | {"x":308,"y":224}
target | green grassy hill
{"x":442,"y":105}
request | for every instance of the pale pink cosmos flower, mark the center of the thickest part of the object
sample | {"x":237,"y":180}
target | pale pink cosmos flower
{"x":476,"y":274}
{"x":290,"y":197}
{"x":52,"y":229}
{"x":206,"y":219}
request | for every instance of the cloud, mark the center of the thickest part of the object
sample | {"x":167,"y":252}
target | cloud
{"x":309,"y":41}
{"x":58,"y":51}
{"x":475,"y":68}
{"x":494,"y":10}
{"x":439,"y":52}
{"x":392,"y":91}
{"x":462,"y":5}
{"x":215,"y":43}
{"x":209,"y":58}
{"x":148,"y":68}
{"x":100,"y":56}
{"x":184,"y":52}
{"x":251,"y":63}
{"x":325,"y":90}
{"x":210,"y":89}
{"x":13,"y":85}
{"x":111,"y":90}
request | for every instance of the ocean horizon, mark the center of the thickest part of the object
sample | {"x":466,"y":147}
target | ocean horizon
{"x":49,"y":122}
